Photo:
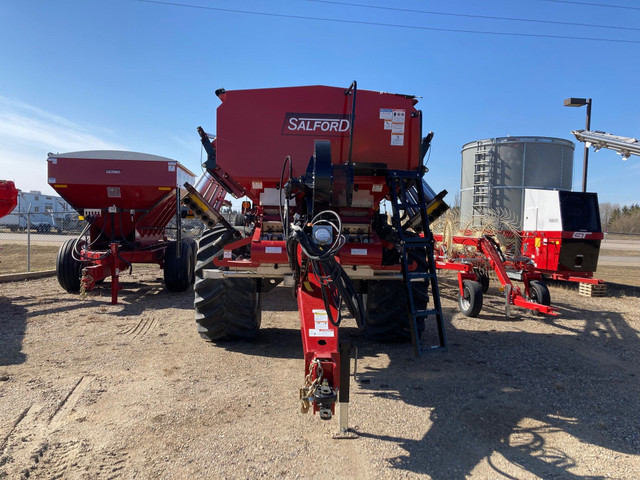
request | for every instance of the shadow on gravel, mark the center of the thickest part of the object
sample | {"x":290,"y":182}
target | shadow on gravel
{"x":135,"y":298}
{"x":505,"y":393}
{"x":285,"y":343}
{"x":271,"y":343}
{"x":13,"y":324}
{"x":280,"y":299}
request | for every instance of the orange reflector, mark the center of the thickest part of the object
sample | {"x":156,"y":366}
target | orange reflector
{"x":59,"y":186}
{"x":164,"y":188}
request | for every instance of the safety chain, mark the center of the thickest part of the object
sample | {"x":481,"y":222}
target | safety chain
{"x":310,"y":386}
{"x":85,"y":281}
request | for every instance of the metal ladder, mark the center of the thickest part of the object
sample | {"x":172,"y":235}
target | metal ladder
{"x":400,"y":182}
{"x":482,"y":181}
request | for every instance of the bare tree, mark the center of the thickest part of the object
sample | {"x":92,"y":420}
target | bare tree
{"x":606,"y":210}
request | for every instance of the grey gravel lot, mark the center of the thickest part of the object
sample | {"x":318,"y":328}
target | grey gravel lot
{"x":91,"y":390}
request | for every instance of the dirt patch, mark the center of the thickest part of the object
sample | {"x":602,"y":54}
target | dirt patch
{"x":93,"y":390}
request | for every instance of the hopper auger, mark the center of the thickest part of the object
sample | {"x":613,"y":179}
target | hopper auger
{"x":316,"y":163}
{"x":127,"y":200}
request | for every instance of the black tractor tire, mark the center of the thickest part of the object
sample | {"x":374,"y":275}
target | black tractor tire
{"x":178,"y":272}
{"x":238,"y":221}
{"x":209,"y":246}
{"x":227,"y":308}
{"x":68,"y":268}
{"x":388,"y":314}
{"x":470,"y":301}
{"x":388,"y":318}
{"x":539,"y":292}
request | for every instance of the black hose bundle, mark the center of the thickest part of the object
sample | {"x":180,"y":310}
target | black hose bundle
{"x":335,"y":284}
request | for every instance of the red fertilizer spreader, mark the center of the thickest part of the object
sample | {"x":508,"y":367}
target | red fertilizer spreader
{"x":8,"y":197}
{"x":127,"y":200}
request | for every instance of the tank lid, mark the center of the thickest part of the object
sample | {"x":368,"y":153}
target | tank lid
{"x":519,"y":139}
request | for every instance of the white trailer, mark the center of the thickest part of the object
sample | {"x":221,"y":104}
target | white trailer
{"x":41,"y":212}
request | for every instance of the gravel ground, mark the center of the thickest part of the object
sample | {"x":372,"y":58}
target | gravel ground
{"x":90,"y":390}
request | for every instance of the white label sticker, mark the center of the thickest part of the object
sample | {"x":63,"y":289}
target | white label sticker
{"x":172,"y":167}
{"x":397,"y":128}
{"x":321,"y":324}
{"x":388,"y":124}
{"x":386,"y":114}
{"x":320,"y":333}
{"x":376,"y":188}
{"x":398,"y":115}
{"x":227,"y":254}
{"x":358,"y":251}
{"x":256,"y":185}
{"x":52,"y":180}
{"x":397,"y":140}
{"x":273,"y":250}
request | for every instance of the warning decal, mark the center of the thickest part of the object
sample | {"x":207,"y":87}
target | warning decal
{"x":397,"y":140}
{"x":321,"y":324}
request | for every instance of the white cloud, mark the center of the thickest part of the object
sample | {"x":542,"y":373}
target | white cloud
{"x":28,"y":133}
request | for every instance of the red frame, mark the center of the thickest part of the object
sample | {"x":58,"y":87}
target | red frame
{"x":489,"y":257}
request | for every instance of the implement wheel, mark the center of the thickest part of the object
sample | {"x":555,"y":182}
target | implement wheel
{"x":68,"y":268}
{"x":470,"y":302}
{"x":539,"y":292}
{"x":225,"y":308}
{"x":178,"y":272}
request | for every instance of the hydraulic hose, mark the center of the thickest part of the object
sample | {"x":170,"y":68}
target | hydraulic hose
{"x":336,"y":286}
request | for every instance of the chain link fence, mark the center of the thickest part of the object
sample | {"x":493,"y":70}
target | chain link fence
{"x":29,"y":242}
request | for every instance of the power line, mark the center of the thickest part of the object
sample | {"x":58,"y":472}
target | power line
{"x":394,"y":25}
{"x":511,"y":19}
{"x":593,"y":4}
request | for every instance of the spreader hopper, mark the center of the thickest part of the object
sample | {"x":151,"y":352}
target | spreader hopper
{"x":127,"y":199}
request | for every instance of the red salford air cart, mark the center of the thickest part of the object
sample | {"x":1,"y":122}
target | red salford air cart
{"x":127,"y":199}
{"x":316,"y":162}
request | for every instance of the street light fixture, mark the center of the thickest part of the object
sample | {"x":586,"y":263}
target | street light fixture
{"x":579,"y":102}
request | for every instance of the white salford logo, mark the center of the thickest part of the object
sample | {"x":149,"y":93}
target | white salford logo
{"x":322,"y":124}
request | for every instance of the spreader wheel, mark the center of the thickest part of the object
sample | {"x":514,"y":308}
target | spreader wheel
{"x":470,"y":301}
{"x":539,"y":292}
{"x":225,"y":308}
{"x":68,"y":268}
{"x":388,"y":315}
{"x":178,"y":272}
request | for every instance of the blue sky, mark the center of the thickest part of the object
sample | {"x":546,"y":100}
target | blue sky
{"x":126,"y":74}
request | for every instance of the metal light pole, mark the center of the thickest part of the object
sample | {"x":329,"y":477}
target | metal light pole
{"x":579,"y":102}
